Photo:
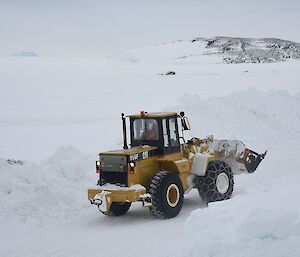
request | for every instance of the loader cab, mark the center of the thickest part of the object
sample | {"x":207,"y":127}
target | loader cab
{"x":155,"y":129}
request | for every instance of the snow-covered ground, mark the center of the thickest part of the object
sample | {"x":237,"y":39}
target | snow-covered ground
{"x":262,"y":218}
{"x":49,"y":102}
{"x":53,"y":218}
{"x":57,"y":114}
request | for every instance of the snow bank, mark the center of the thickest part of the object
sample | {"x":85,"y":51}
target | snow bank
{"x":261,"y":233}
{"x":33,"y":193}
{"x":261,"y":119}
{"x":261,"y":219}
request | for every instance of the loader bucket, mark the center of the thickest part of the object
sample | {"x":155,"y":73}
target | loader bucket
{"x":252,"y":159}
{"x":235,"y":153}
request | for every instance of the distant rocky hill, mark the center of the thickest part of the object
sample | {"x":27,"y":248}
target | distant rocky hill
{"x":247,"y":50}
{"x":215,"y":50}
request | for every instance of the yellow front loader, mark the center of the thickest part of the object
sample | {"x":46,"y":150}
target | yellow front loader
{"x":161,"y":166}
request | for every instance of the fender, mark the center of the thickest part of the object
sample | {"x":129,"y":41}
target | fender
{"x":200,"y":163}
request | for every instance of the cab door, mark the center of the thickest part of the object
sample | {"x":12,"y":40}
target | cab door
{"x":170,"y":135}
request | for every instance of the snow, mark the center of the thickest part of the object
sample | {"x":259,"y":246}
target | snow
{"x":182,"y":160}
{"x":261,"y":119}
{"x":40,"y":192}
{"x":108,"y":186}
{"x":51,"y":107}
{"x":260,"y":220}
{"x":65,"y":101}
{"x":25,"y":54}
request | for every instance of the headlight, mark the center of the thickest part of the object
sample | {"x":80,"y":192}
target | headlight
{"x":98,"y":163}
{"x":132,"y":164}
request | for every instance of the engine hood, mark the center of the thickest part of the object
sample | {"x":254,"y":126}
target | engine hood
{"x":130,"y":151}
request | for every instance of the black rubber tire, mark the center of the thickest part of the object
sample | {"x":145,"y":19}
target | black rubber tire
{"x":160,"y":184}
{"x":207,"y":185}
{"x":117,"y":209}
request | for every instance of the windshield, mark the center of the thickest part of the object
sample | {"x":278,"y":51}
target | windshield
{"x":145,"y":129}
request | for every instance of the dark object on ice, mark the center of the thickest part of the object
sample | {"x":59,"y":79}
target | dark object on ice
{"x":14,"y":162}
{"x":168,"y":73}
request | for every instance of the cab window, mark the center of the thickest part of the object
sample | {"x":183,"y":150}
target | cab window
{"x":165,"y":133}
{"x":145,"y":129}
{"x":173,"y":135}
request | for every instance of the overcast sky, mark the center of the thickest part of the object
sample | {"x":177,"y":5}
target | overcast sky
{"x":94,"y":28}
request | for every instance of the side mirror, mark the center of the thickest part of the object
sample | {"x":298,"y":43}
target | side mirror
{"x":185,"y":123}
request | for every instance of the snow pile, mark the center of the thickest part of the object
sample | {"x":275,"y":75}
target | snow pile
{"x":216,"y":50}
{"x":261,"y":119}
{"x":261,"y":219}
{"x":33,"y":193}
{"x":273,"y":233}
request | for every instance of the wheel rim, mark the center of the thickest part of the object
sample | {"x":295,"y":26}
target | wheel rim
{"x":172,"y":195}
{"x":222,"y":183}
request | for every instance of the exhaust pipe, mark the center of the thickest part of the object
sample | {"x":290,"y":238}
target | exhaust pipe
{"x":124,"y":131}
